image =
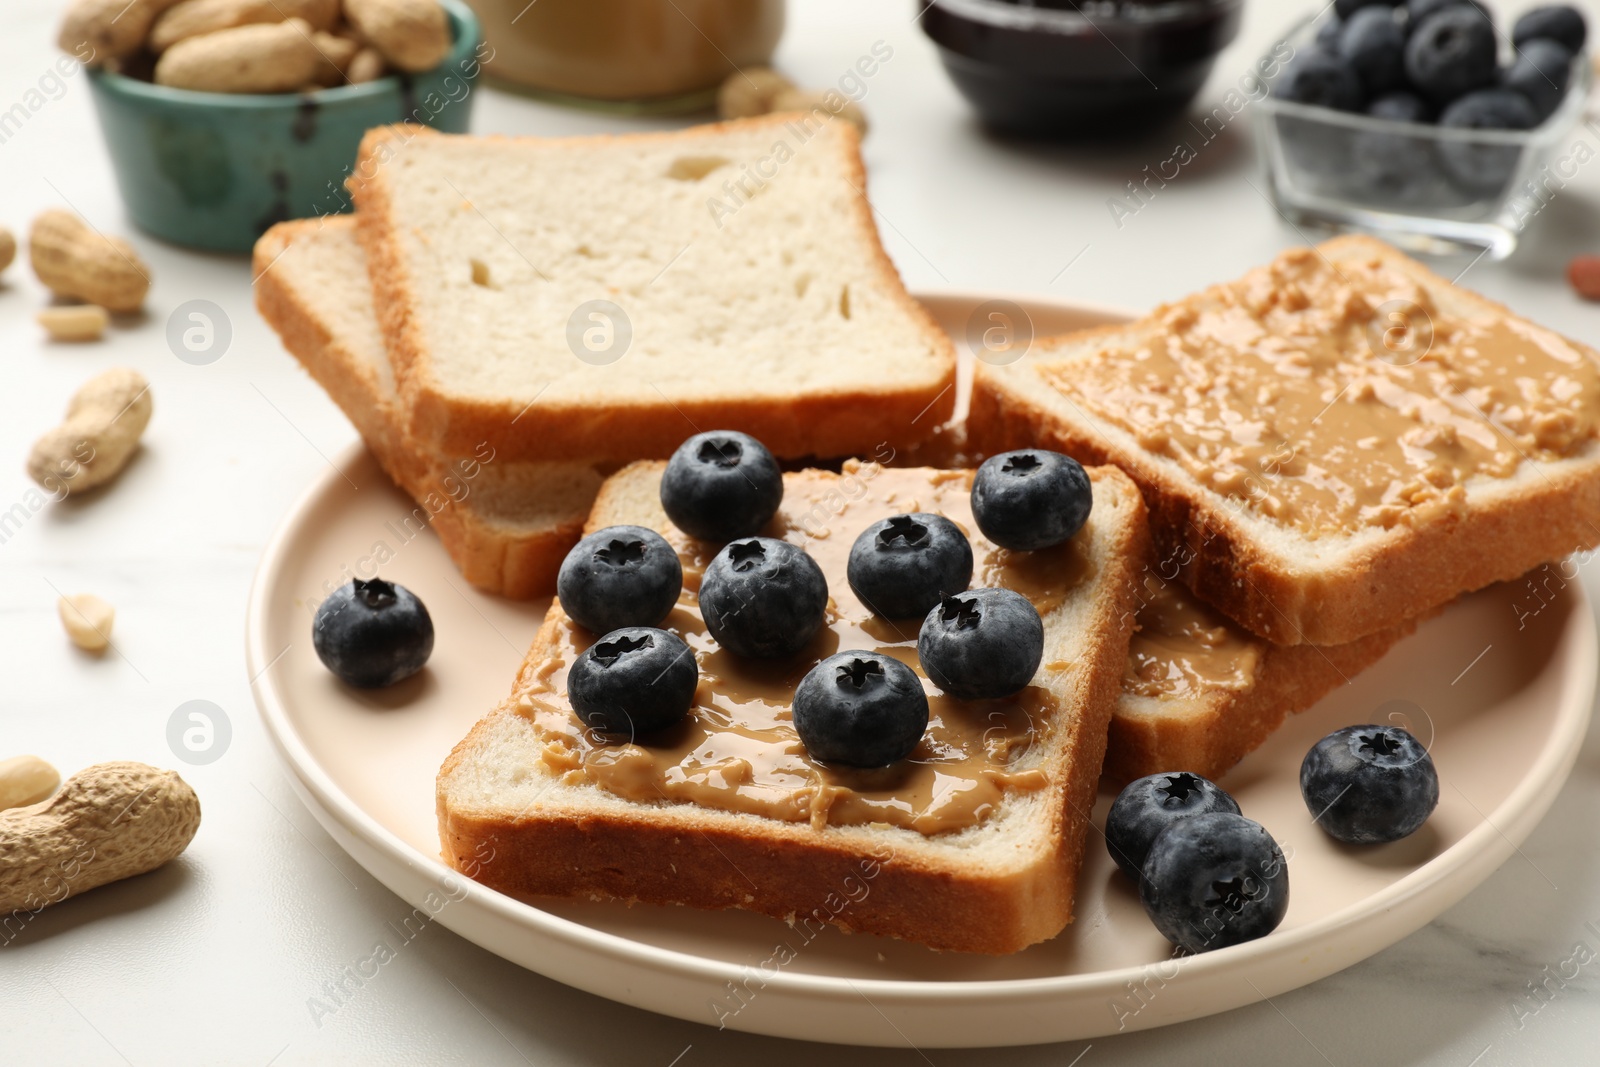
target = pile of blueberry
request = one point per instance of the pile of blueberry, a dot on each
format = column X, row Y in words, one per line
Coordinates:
column 765, row 599
column 1208, row 877
column 1430, row 62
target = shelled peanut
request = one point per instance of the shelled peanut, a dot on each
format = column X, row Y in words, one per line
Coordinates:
column 26, row 780
column 259, row 46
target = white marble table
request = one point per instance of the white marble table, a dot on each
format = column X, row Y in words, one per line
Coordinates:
column 214, row 958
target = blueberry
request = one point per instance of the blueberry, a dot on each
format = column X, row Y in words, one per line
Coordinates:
column 1557, row 22
column 1418, row 10
column 1031, row 499
column 1322, row 79
column 633, row 681
column 1374, row 45
column 981, row 644
column 1478, row 168
column 763, row 598
column 721, row 485
column 1401, row 106
column 619, row 576
column 1540, row 73
column 860, row 709
column 1451, row 52
column 1394, row 164
column 1149, row 805
column 1327, row 38
column 1369, row 784
column 1215, row 880
column 372, row 633
column 900, row 566
column 1345, row 8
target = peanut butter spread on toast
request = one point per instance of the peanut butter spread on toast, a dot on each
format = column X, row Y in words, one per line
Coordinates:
column 1334, row 399
column 737, row 749
column 1184, row 648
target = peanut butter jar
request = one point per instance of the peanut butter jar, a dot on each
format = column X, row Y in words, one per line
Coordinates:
column 654, row 56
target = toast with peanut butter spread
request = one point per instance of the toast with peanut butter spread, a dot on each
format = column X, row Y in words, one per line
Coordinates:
column 971, row 844
column 1333, row 444
column 506, row 524
column 1201, row 693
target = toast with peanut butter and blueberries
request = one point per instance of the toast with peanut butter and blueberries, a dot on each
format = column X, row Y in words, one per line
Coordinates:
column 770, row 756
column 598, row 298
column 506, row 524
column 1329, row 446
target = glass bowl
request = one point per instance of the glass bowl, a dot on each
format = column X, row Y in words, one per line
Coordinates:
column 1423, row 188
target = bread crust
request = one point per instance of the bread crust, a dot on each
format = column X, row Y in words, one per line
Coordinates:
column 685, row 854
column 520, row 565
column 1378, row 585
column 840, row 423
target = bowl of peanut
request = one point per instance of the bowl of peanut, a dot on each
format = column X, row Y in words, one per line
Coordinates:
column 223, row 117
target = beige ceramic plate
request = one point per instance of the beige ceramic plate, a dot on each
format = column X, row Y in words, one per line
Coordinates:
column 1500, row 686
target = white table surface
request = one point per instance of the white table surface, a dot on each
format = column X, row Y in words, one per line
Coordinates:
column 213, row 959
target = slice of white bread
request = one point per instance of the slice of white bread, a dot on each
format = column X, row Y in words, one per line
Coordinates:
column 506, row 524
column 1176, row 715
column 742, row 255
column 1267, row 574
column 993, row 887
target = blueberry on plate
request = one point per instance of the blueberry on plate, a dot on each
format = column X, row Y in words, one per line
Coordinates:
column 619, row 576
column 861, row 709
column 720, row 485
column 1369, row 784
column 1557, row 22
column 1401, row 106
column 1149, row 805
column 1031, row 499
column 900, row 566
column 1374, row 45
column 981, row 644
column 1322, row 79
column 1540, row 73
column 372, row 633
column 1215, row 880
column 1450, row 53
column 1484, row 169
column 633, row 681
column 762, row 598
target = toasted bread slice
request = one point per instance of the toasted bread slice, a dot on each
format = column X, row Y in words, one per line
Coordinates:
column 506, row 524
column 1311, row 528
column 1200, row 693
column 782, row 837
column 601, row 298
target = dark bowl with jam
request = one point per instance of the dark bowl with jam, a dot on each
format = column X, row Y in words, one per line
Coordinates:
column 1060, row 68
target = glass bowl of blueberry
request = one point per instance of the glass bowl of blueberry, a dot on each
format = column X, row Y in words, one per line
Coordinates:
column 1425, row 122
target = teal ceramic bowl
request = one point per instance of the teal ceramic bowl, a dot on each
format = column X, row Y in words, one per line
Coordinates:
column 214, row 170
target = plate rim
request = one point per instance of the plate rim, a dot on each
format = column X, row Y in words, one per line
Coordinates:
column 1514, row 816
